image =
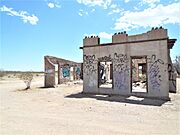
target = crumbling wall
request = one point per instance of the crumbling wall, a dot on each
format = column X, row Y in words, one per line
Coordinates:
column 172, row 75
column 49, row 80
column 152, row 44
column 65, row 73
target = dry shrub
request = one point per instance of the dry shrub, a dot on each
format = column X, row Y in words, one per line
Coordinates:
column 2, row 73
column 27, row 78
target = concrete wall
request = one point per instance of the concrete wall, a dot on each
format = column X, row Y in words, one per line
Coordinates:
column 49, row 79
column 67, row 70
column 178, row 84
column 172, row 75
column 120, row 54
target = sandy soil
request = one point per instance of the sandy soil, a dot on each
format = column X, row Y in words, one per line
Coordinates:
column 65, row 111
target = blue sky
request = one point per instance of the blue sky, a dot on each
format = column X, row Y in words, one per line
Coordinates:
column 31, row 29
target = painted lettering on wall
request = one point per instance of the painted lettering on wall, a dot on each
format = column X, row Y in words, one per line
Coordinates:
column 121, row 71
column 89, row 64
column 154, row 72
column 105, row 58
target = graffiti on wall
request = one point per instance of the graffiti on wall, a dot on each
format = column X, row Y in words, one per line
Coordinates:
column 154, row 72
column 89, row 64
column 121, row 71
column 120, row 61
column 105, row 58
column 66, row 71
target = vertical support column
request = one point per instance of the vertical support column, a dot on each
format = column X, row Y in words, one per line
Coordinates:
column 74, row 73
column 59, row 73
column 49, row 73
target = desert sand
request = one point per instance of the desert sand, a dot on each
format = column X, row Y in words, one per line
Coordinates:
column 64, row 110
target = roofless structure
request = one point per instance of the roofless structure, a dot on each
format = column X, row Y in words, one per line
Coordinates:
column 131, row 65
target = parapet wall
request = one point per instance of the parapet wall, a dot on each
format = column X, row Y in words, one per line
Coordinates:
column 93, row 40
column 121, row 37
column 157, row 33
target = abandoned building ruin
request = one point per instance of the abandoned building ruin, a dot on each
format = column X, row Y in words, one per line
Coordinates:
column 67, row 70
column 138, row 65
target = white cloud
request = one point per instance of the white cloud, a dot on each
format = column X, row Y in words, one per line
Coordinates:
column 93, row 10
column 136, row 8
column 58, row 6
column 151, row 3
column 103, row 35
column 24, row 15
column 53, row 5
column 126, row 1
column 114, row 9
column 113, row 6
column 117, row 10
column 82, row 12
column 91, row 3
column 150, row 17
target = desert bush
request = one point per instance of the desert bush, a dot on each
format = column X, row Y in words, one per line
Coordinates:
column 2, row 73
column 27, row 78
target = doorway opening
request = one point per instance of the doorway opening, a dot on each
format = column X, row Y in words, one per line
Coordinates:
column 105, row 74
column 139, row 74
column 56, row 74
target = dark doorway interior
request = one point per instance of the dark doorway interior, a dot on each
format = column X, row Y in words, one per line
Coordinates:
column 139, row 74
column 105, row 74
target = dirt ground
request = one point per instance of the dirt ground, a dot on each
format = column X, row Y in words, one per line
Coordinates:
column 64, row 110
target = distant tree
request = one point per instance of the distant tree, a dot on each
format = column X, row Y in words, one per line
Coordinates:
column 27, row 78
column 177, row 64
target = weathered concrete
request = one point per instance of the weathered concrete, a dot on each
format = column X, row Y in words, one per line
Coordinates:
column 154, row 45
column 49, row 73
column 178, row 84
column 172, row 74
column 64, row 73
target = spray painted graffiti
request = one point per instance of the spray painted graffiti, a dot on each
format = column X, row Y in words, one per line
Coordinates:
column 66, row 71
column 121, row 71
column 105, row 58
column 120, row 58
column 120, row 80
column 120, row 61
column 89, row 64
column 154, row 72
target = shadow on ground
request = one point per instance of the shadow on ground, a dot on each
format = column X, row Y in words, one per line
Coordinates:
column 121, row 99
